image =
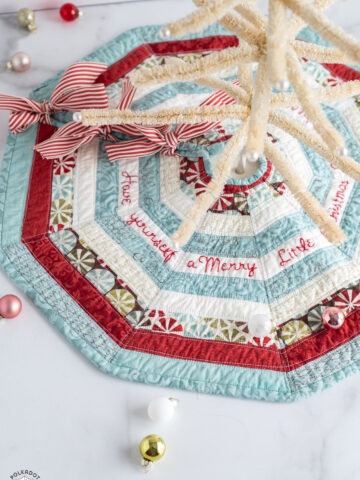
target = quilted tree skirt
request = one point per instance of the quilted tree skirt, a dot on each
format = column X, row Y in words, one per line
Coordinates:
column 89, row 242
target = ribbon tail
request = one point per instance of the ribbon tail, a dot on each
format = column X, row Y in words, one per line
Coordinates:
column 77, row 88
column 66, row 140
column 131, row 149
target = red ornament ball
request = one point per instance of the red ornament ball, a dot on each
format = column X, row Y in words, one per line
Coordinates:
column 69, row 12
column 10, row 306
column 333, row 317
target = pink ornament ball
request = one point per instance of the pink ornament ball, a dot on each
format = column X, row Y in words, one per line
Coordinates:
column 10, row 306
column 333, row 317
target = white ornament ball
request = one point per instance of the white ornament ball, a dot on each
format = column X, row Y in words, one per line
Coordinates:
column 260, row 325
column 162, row 409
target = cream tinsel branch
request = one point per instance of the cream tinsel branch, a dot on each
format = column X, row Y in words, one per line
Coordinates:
column 277, row 44
column 198, row 69
column 309, row 102
column 328, row 227
column 262, row 41
column 327, row 29
column 346, row 164
column 190, row 115
column 260, row 108
column 201, row 18
column 296, row 23
column 250, row 11
column 208, row 113
column 214, row 188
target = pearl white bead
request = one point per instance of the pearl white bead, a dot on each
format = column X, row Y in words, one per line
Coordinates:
column 282, row 85
column 162, row 409
column 249, row 156
column 19, row 62
column 77, row 117
column 165, row 32
column 260, row 325
column 342, row 152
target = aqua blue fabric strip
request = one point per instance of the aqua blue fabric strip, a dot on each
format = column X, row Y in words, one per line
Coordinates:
column 107, row 185
column 97, row 346
column 21, row 154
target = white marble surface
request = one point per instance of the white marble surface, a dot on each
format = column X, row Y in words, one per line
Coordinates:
column 64, row 419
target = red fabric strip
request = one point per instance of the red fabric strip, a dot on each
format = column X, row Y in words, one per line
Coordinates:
column 79, row 288
column 123, row 66
column 98, row 308
column 37, row 208
column 322, row 342
column 194, row 45
column 342, row 71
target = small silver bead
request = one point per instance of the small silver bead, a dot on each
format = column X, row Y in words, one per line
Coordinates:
column 342, row 152
column 165, row 32
column 282, row 85
column 77, row 117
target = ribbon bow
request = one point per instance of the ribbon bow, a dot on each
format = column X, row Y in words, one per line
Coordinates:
column 150, row 139
column 161, row 139
column 75, row 91
column 73, row 135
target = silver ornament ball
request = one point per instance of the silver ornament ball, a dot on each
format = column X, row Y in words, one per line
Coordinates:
column 19, row 62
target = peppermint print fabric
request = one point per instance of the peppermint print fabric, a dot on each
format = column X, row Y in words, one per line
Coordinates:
column 90, row 242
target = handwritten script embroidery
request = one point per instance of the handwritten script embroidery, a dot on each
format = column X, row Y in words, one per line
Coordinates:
column 217, row 265
column 166, row 251
column 125, row 187
column 338, row 201
column 288, row 254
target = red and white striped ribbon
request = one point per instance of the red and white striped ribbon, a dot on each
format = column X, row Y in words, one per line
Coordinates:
column 161, row 139
column 75, row 91
column 150, row 139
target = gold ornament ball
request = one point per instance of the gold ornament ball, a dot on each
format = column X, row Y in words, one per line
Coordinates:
column 152, row 448
column 26, row 18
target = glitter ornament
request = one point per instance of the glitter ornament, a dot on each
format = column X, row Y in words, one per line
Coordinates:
column 26, row 18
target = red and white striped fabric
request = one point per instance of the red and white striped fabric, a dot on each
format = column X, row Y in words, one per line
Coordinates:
column 70, row 137
column 150, row 139
column 75, row 91
column 160, row 139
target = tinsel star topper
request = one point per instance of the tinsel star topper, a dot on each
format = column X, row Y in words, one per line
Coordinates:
column 272, row 43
